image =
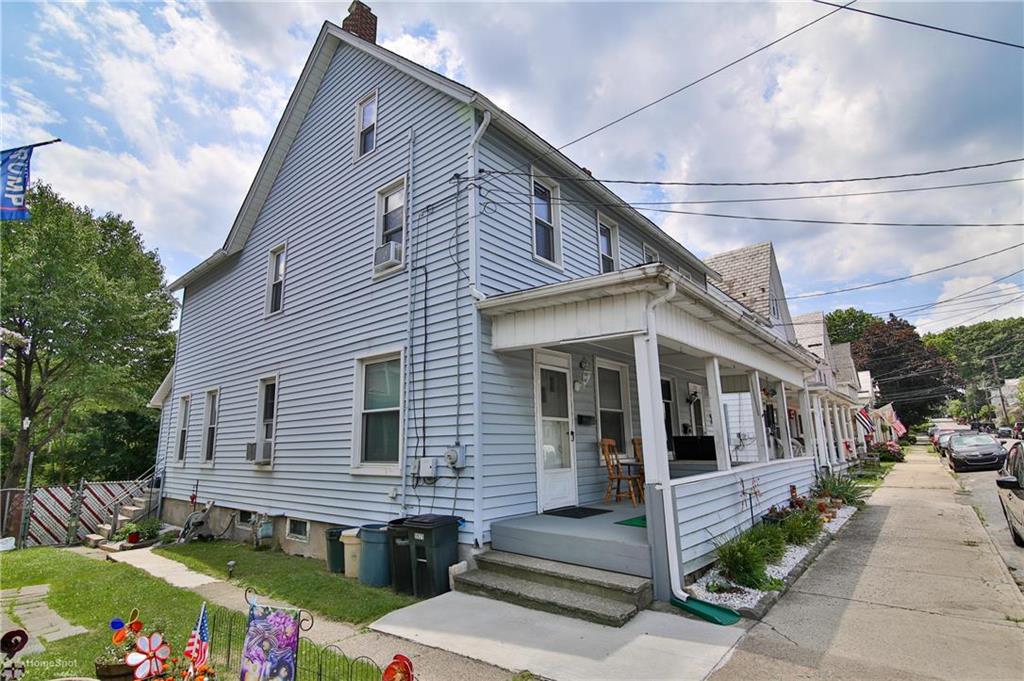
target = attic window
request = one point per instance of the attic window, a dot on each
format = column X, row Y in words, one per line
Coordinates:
column 366, row 125
column 773, row 306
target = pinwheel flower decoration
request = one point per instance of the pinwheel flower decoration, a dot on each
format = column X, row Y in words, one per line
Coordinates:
column 149, row 656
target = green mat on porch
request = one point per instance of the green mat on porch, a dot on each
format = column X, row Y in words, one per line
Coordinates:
column 639, row 521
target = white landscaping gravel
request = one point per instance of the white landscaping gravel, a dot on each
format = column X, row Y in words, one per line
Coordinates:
column 749, row 598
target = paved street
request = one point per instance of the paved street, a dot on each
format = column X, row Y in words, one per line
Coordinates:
column 911, row 589
column 981, row 494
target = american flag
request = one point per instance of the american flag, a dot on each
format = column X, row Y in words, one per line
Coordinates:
column 864, row 419
column 899, row 428
column 198, row 647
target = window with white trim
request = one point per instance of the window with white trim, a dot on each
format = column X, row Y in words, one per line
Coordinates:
column 607, row 244
column 651, row 255
column 183, row 408
column 546, row 228
column 275, row 280
column 378, row 437
column 611, row 399
column 366, row 125
column 210, row 416
column 390, row 227
column 267, row 427
column 298, row 529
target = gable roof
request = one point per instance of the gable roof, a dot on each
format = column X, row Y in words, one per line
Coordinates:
column 330, row 38
column 746, row 275
column 846, row 371
column 810, row 332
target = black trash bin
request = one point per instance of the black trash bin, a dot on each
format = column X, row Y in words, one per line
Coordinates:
column 335, row 549
column 434, row 544
column 401, row 556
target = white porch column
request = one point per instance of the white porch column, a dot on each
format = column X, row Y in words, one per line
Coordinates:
column 807, row 417
column 830, row 439
column 782, row 417
column 851, row 430
column 714, row 377
column 820, row 435
column 652, row 415
column 757, row 406
column 840, row 431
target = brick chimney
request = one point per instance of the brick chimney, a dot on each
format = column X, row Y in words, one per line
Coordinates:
column 361, row 22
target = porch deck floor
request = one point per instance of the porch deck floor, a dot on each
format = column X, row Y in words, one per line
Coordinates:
column 596, row 541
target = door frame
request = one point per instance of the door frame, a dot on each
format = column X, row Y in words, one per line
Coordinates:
column 554, row 361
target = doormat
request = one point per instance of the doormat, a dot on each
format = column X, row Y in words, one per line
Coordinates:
column 577, row 512
column 639, row 521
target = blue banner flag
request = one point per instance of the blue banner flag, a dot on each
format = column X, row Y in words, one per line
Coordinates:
column 14, row 175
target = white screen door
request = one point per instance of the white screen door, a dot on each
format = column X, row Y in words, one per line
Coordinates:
column 556, row 456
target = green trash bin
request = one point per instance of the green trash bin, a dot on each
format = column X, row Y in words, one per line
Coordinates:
column 335, row 549
column 434, row 544
column 401, row 556
column 374, row 563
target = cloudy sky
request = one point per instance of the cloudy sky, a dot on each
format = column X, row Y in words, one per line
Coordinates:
column 166, row 110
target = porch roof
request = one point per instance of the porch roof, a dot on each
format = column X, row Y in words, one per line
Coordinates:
column 614, row 304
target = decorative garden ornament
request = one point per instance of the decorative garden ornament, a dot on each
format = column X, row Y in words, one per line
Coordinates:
column 122, row 629
column 149, row 656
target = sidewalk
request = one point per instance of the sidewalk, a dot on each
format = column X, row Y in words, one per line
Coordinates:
column 431, row 664
column 911, row 589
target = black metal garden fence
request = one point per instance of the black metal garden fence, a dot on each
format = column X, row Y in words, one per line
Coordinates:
column 315, row 662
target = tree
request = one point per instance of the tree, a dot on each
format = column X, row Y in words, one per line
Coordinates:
column 971, row 347
column 848, row 325
column 915, row 378
column 90, row 302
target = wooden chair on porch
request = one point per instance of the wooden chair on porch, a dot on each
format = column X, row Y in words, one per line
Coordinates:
column 616, row 476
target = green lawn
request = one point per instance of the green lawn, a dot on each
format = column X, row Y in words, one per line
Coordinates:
column 303, row 582
column 91, row 593
column 875, row 478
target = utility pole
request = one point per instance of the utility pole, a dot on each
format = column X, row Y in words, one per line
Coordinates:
column 999, row 384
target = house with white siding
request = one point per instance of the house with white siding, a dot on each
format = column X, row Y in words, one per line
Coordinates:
column 423, row 307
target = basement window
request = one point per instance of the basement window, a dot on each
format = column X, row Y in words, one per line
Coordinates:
column 298, row 529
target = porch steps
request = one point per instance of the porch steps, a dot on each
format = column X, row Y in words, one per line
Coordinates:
column 599, row 596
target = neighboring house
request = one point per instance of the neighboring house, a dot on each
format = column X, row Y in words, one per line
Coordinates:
column 424, row 307
column 867, row 394
column 834, row 386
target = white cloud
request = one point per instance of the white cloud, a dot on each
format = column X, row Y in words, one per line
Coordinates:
column 247, row 120
column 439, row 53
column 972, row 300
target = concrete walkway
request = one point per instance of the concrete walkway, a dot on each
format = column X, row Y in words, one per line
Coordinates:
column 911, row 589
column 40, row 622
column 430, row 664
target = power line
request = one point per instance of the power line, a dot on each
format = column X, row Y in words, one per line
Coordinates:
column 694, row 82
column 921, row 25
column 773, row 183
column 983, row 312
column 759, row 218
column 904, row 278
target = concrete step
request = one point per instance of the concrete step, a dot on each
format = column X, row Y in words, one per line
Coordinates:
column 554, row 599
column 112, row 546
column 94, row 540
column 637, row 591
column 133, row 511
column 103, row 529
column 144, row 501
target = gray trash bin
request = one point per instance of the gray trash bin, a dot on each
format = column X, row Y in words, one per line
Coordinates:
column 375, row 561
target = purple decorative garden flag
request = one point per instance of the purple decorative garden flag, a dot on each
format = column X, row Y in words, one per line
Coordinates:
column 271, row 644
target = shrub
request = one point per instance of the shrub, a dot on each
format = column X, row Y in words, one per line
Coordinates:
column 840, row 486
column 148, row 528
column 771, row 538
column 801, row 527
column 742, row 560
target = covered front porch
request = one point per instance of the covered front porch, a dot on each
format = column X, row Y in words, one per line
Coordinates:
column 704, row 404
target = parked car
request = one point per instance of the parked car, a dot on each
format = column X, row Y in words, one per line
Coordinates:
column 942, row 441
column 1004, row 432
column 1011, row 495
column 972, row 450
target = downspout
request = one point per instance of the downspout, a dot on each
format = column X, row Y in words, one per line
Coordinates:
column 705, row 610
column 410, row 282
column 472, row 169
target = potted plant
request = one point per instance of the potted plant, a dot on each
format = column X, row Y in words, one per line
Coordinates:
column 110, row 666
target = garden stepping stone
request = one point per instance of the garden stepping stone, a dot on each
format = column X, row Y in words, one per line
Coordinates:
column 28, row 605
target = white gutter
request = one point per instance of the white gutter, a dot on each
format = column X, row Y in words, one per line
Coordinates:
column 472, row 167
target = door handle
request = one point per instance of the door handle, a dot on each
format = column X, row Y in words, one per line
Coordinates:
column 572, row 436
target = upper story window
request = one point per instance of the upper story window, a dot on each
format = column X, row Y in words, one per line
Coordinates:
column 377, row 435
column 773, row 306
column 546, row 229
column 210, row 425
column 390, row 227
column 366, row 125
column 183, row 407
column 607, row 244
column 275, row 280
column 651, row 255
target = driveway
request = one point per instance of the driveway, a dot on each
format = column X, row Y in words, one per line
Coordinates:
column 912, row 588
column 979, row 491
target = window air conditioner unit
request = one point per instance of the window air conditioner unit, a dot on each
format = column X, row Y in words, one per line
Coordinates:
column 259, row 452
column 387, row 255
